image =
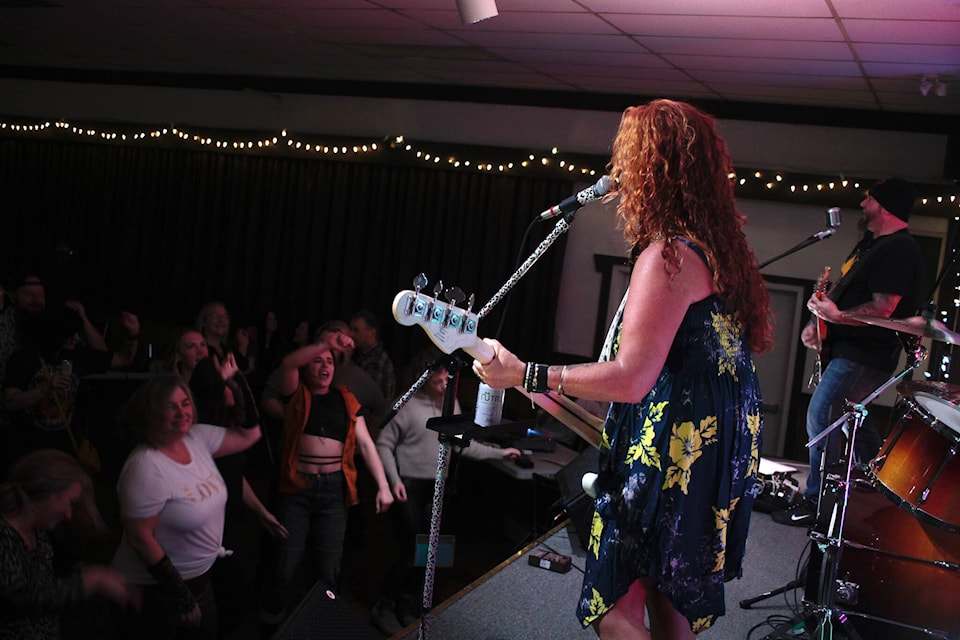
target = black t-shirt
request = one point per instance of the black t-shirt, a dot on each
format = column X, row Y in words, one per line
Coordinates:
column 892, row 264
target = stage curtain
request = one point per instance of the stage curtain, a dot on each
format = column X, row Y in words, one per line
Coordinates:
column 161, row 231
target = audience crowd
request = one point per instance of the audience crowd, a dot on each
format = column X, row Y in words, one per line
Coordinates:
column 225, row 421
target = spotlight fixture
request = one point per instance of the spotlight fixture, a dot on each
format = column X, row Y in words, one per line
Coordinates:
column 934, row 82
column 472, row 11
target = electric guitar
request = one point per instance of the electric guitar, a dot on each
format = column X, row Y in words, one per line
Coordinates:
column 820, row 290
column 452, row 327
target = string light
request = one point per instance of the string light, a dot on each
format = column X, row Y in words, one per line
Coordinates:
column 751, row 181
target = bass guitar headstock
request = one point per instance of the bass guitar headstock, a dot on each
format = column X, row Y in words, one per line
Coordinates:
column 448, row 322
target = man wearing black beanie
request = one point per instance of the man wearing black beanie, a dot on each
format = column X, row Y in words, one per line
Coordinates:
column 882, row 277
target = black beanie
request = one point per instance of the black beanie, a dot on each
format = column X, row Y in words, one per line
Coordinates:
column 896, row 195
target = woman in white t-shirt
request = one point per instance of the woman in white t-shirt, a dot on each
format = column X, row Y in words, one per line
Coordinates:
column 172, row 505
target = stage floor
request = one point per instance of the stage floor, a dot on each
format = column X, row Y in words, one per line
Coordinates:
column 517, row 600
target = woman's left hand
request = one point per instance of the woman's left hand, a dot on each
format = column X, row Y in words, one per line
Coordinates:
column 228, row 368
column 273, row 526
column 504, row 371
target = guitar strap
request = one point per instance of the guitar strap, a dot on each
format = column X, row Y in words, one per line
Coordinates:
column 860, row 260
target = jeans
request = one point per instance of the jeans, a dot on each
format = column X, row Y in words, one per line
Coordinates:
column 318, row 516
column 842, row 380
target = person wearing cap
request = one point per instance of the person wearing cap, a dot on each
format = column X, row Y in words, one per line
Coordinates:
column 883, row 276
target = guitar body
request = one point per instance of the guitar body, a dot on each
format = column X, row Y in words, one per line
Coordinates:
column 823, row 354
column 452, row 328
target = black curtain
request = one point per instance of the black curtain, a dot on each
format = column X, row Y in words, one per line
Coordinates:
column 161, row 231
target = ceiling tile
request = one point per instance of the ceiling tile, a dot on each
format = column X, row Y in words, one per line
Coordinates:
column 904, row 32
column 773, row 8
column 720, row 27
column 772, row 49
column 898, row 10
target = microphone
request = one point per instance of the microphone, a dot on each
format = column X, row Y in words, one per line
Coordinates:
column 571, row 204
column 833, row 217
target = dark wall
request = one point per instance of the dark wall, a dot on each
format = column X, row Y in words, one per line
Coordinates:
column 161, row 231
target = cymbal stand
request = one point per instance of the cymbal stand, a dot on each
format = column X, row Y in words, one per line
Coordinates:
column 916, row 358
column 823, row 613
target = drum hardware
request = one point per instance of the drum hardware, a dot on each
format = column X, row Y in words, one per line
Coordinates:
column 908, row 388
column 823, row 613
column 916, row 325
column 917, row 467
column 848, row 592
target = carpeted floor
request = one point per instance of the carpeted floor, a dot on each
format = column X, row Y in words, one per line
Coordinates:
column 517, row 600
column 898, row 577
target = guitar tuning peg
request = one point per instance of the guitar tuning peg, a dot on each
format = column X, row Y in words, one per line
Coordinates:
column 419, row 283
column 454, row 295
column 438, row 289
column 453, row 318
column 470, row 302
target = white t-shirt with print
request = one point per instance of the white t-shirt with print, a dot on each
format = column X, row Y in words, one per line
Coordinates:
column 190, row 499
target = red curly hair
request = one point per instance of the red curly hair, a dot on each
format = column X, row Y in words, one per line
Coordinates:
column 673, row 175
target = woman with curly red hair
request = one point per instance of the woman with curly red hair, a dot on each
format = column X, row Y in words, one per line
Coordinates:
column 681, row 443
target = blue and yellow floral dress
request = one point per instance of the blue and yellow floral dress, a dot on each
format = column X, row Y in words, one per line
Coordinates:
column 677, row 474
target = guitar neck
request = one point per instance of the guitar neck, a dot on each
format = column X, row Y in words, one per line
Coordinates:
column 451, row 328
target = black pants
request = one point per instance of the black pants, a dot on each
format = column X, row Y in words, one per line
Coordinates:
column 158, row 619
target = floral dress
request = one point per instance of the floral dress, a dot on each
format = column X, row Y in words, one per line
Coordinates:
column 677, row 474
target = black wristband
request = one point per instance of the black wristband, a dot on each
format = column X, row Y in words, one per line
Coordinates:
column 535, row 378
column 171, row 582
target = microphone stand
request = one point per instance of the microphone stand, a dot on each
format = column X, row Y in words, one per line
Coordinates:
column 815, row 238
column 562, row 226
column 446, row 425
column 443, row 460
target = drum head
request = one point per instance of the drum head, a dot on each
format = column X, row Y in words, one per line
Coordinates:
column 945, row 411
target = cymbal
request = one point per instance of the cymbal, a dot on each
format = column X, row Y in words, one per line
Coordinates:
column 915, row 325
column 934, row 388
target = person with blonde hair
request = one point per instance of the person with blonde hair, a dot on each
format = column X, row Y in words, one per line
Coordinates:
column 43, row 490
column 681, row 442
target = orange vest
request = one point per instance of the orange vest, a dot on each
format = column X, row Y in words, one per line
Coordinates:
column 295, row 421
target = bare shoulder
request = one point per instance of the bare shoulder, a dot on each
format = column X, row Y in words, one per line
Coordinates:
column 677, row 267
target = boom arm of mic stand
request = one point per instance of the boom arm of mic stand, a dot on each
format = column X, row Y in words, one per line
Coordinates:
column 559, row 229
column 817, row 237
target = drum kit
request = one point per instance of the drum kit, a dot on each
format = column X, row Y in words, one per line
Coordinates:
column 885, row 563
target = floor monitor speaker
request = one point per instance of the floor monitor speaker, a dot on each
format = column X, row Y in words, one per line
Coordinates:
column 321, row 614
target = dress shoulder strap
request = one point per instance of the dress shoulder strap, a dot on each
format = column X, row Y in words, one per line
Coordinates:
column 696, row 248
